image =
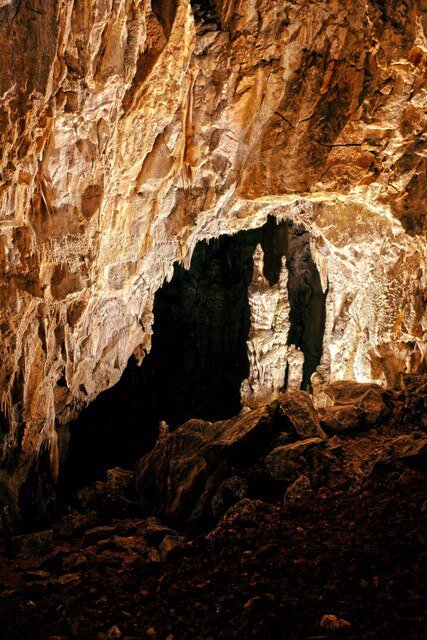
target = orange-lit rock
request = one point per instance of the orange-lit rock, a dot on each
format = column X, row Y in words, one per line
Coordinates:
column 128, row 133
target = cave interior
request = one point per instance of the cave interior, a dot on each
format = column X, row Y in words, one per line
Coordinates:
column 198, row 357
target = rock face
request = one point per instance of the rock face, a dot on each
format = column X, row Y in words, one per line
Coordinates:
column 196, row 473
column 183, row 474
column 298, row 411
column 130, row 131
column 288, row 462
column 355, row 406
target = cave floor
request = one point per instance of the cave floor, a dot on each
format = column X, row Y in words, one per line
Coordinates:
column 268, row 571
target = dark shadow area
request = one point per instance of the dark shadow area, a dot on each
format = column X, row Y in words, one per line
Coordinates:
column 307, row 300
column 165, row 12
column 37, row 496
column 206, row 12
column 114, row 430
column 198, row 357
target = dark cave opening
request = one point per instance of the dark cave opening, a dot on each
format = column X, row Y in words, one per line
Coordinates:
column 198, row 357
column 205, row 11
column 307, row 301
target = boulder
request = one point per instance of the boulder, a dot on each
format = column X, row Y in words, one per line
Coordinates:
column 179, row 477
column 333, row 623
column 120, row 481
column 231, row 491
column 341, row 420
column 357, row 406
column 286, row 463
column 350, row 392
column 33, row 544
column 169, row 544
column 90, row 497
column 116, row 496
column 415, row 384
column 155, row 531
column 244, row 513
column 300, row 491
column 297, row 411
column 415, row 396
column 407, row 450
column 119, row 496
column 74, row 562
column 74, row 523
column 99, row 533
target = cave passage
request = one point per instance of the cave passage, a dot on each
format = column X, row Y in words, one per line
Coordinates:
column 198, row 357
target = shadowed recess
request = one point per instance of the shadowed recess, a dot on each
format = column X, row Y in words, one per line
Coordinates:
column 206, row 11
column 198, row 358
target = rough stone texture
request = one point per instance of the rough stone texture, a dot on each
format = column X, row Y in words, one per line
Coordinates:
column 332, row 623
column 268, row 337
column 415, row 390
column 299, row 491
column 261, row 556
column 300, row 416
column 344, row 541
column 128, row 133
column 195, row 473
column 231, row 491
column 355, row 406
column 33, row 543
column 181, row 476
column 288, row 462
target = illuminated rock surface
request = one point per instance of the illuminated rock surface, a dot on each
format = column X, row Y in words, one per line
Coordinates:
column 129, row 133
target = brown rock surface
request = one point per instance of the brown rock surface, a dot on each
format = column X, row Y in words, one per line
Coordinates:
column 342, row 551
column 288, row 462
column 128, row 133
column 297, row 409
column 268, row 570
column 299, row 492
column 179, row 478
column 356, row 406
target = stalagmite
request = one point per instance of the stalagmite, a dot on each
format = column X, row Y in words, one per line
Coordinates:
column 268, row 337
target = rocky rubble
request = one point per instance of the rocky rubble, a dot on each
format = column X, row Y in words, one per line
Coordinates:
column 188, row 474
column 186, row 477
column 179, row 478
column 291, row 537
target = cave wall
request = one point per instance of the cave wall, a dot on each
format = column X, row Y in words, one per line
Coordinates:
column 130, row 131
